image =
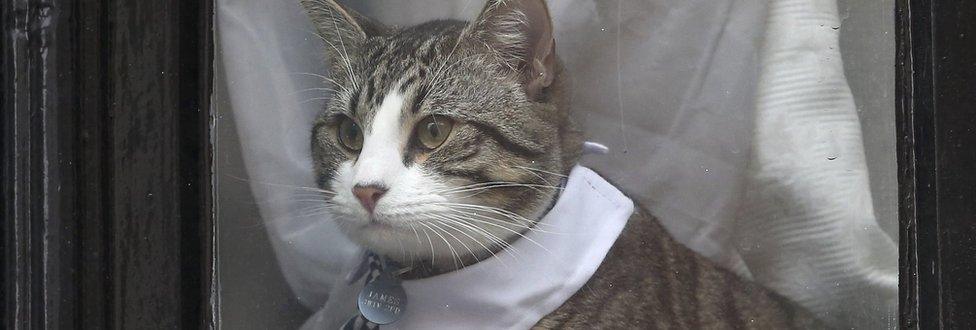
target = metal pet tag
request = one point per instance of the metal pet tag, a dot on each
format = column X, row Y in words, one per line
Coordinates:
column 383, row 301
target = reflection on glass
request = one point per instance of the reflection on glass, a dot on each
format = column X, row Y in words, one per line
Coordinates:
column 571, row 164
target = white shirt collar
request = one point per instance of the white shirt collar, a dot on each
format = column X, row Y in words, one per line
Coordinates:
column 513, row 291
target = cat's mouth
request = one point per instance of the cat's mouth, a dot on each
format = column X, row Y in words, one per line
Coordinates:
column 377, row 224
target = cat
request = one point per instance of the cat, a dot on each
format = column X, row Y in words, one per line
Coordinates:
column 464, row 127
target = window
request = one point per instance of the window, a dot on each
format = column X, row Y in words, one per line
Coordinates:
column 155, row 154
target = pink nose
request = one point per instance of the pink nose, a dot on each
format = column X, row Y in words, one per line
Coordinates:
column 368, row 195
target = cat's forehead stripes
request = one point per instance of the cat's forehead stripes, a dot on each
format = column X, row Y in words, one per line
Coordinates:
column 403, row 61
column 409, row 88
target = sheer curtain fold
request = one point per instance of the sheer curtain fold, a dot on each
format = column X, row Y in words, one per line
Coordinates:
column 731, row 120
column 807, row 226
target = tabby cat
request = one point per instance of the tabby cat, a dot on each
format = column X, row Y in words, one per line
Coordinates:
column 450, row 115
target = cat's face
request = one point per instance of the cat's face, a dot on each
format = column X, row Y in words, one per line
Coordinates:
column 442, row 141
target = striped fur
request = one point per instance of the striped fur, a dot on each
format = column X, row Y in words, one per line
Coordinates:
column 650, row 281
column 511, row 146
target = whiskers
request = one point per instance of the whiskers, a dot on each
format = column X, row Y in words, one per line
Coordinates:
column 303, row 201
column 285, row 186
column 448, row 224
column 475, row 189
column 328, row 92
column 471, row 232
column 466, row 232
column 454, row 232
column 539, row 173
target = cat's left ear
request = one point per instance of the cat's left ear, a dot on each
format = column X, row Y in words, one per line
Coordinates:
column 520, row 33
column 343, row 29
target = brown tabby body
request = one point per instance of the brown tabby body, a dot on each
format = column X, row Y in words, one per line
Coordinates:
column 650, row 281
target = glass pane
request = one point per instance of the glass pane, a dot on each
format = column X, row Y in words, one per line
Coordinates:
column 445, row 164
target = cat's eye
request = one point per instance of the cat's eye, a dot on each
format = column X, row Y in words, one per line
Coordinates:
column 350, row 135
column 433, row 131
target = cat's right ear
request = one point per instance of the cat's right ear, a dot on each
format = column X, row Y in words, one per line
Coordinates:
column 342, row 29
column 520, row 34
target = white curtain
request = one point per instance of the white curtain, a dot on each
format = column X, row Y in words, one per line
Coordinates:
column 730, row 120
column 807, row 226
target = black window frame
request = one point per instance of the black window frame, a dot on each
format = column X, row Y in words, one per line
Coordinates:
column 107, row 163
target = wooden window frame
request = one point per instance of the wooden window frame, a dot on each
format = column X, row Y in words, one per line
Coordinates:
column 936, row 117
column 107, row 163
